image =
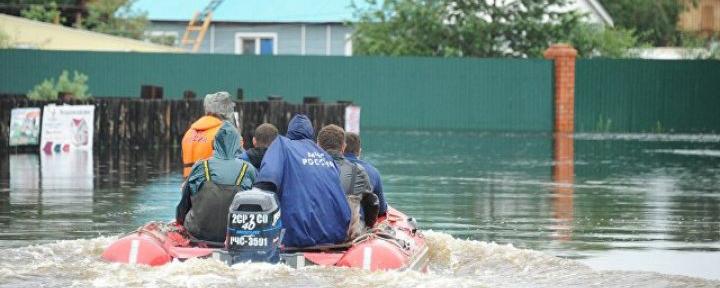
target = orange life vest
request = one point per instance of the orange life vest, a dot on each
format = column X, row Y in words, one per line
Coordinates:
column 197, row 144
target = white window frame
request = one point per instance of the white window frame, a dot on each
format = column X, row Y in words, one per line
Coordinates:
column 348, row 44
column 239, row 36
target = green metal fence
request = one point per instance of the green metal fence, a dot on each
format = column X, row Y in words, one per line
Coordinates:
column 647, row 96
column 403, row 93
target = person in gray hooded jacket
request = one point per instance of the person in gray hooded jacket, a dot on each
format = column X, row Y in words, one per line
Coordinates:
column 211, row 186
column 364, row 205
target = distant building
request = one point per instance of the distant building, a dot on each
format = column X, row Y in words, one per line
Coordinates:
column 670, row 53
column 280, row 27
column 29, row 34
column 595, row 11
column 272, row 27
column 703, row 18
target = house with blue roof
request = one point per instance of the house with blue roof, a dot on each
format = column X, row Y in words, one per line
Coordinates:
column 259, row 27
column 279, row 27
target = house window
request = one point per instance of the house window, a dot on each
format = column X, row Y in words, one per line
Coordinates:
column 256, row 43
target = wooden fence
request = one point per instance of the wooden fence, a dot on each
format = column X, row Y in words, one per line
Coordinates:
column 132, row 122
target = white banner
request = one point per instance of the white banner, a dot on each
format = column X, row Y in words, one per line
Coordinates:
column 24, row 126
column 67, row 128
column 352, row 119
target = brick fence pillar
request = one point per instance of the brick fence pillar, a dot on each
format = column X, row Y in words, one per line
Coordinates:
column 564, row 57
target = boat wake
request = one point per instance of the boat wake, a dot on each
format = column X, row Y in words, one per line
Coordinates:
column 453, row 263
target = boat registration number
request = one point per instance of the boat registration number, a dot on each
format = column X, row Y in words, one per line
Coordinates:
column 248, row 241
column 249, row 221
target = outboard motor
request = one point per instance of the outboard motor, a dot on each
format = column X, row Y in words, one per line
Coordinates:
column 254, row 229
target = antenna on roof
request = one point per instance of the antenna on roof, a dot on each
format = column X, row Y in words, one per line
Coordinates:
column 199, row 23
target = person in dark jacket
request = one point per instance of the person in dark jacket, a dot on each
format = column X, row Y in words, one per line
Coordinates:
column 211, row 186
column 264, row 136
column 303, row 176
column 353, row 149
column 354, row 179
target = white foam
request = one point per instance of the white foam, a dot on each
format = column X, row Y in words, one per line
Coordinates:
column 453, row 263
column 687, row 152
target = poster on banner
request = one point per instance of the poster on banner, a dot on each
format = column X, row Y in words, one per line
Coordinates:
column 66, row 128
column 352, row 119
column 24, row 126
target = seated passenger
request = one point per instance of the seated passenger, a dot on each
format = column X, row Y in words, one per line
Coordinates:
column 353, row 178
column 312, row 202
column 353, row 148
column 197, row 143
column 264, row 135
column 211, row 186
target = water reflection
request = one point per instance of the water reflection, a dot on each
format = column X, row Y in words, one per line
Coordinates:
column 66, row 180
column 24, row 177
column 78, row 194
column 52, row 181
column 563, row 176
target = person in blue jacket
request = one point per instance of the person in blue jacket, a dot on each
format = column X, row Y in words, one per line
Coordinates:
column 313, row 207
column 352, row 153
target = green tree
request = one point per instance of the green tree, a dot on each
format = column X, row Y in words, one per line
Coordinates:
column 167, row 40
column 593, row 40
column 116, row 17
column 49, row 88
column 48, row 12
column 654, row 21
column 523, row 28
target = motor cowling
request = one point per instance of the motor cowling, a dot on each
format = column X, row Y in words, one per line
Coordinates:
column 254, row 229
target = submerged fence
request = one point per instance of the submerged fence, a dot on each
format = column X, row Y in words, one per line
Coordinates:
column 411, row 92
column 122, row 122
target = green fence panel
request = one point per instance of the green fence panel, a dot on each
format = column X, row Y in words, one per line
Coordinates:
column 402, row 93
column 647, row 96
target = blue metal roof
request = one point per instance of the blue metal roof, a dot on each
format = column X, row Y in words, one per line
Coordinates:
column 313, row 11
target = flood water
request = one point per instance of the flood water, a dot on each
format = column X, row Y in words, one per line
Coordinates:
column 500, row 209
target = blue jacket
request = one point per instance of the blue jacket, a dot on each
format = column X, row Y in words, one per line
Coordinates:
column 312, row 201
column 375, row 180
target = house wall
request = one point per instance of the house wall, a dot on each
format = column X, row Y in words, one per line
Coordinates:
column 221, row 37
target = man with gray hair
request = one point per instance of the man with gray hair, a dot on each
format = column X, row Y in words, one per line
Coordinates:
column 219, row 105
column 197, row 144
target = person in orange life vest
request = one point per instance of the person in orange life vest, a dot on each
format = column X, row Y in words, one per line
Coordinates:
column 198, row 141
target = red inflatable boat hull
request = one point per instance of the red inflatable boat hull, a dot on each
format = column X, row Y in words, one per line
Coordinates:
column 394, row 245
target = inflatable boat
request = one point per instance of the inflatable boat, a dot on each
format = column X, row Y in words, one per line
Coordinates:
column 254, row 234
